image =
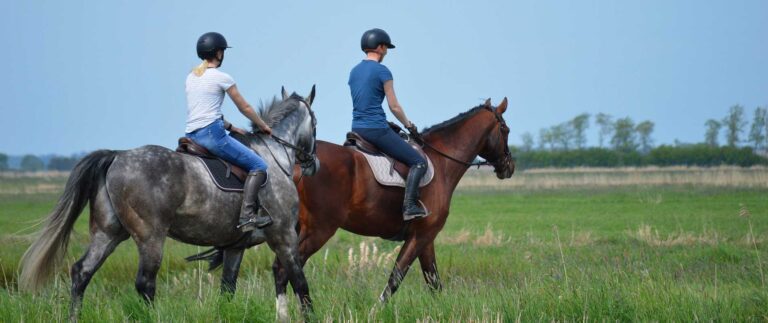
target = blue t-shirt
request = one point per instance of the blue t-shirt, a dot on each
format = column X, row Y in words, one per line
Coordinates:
column 366, row 84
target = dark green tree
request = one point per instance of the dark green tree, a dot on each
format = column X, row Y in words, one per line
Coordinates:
column 579, row 125
column 527, row 138
column 3, row 162
column 605, row 122
column 624, row 136
column 561, row 136
column 713, row 130
column 644, row 130
column 734, row 125
column 545, row 139
column 757, row 135
column 32, row 163
column 62, row 163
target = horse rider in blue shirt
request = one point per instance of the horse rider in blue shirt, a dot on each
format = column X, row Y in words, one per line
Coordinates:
column 369, row 82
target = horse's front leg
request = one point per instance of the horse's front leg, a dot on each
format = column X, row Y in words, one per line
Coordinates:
column 429, row 267
column 284, row 242
column 413, row 247
column 232, row 260
column 281, row 285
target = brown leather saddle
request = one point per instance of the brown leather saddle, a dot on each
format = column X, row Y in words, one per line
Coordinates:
column 355, row 141
column 188, row 146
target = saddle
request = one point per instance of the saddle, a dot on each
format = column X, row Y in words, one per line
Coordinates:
column 188, row 146
column 378, row 160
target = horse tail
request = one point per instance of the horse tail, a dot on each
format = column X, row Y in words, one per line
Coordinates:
column 41, row 259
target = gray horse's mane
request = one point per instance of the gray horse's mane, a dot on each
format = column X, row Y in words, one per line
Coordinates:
column 276, row 110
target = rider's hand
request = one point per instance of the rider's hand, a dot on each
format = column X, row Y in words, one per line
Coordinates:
column 415, row 133
column 412, row 129
column 265, row 129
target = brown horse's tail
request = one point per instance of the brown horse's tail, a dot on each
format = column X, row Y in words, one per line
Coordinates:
column 41, row 259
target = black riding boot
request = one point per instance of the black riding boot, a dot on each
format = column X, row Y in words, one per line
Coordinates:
column 249, row 213
column 411, row 206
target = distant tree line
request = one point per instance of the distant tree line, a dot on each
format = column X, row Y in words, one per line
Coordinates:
column 664, row 155
column 622, row 142
column 32, row 163
column 734, row 125
column 3, row 162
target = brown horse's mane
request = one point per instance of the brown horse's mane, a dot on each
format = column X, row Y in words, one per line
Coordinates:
column 450, row 122
column 276, row 110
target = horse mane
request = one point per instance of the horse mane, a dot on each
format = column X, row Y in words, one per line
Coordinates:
column 276, row 110
column 450, row 122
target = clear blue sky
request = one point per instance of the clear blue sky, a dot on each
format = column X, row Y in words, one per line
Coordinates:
column 83, row 75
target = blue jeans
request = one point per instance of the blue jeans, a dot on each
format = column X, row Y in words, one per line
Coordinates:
column 214, row 138
column 391, row 144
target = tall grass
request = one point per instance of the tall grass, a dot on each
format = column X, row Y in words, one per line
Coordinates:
column 615, row 253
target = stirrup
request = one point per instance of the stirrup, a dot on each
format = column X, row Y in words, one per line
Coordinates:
column 410, row 217
column 251, row 223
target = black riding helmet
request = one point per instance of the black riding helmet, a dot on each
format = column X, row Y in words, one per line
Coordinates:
column 209, row 43
column 375, row 37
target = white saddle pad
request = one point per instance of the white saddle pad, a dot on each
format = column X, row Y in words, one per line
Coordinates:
column 386, row 175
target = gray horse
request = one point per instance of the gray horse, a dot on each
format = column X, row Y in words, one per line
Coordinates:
column 151, row 193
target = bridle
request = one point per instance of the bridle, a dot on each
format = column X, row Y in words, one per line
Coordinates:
column 498, row 164
column 304, row 158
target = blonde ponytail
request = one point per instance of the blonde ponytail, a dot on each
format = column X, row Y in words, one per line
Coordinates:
column 200, row 69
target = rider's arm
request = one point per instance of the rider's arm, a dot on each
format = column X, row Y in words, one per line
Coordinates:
column 394, row 106
column 246, row 109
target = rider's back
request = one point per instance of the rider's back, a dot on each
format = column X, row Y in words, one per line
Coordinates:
column 205, row 94
column 366, row 84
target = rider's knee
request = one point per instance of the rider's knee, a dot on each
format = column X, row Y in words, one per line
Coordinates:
column 420, row 164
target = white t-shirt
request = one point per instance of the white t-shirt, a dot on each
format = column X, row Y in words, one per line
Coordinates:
column 205, row 94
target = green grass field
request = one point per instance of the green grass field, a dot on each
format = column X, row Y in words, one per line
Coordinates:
column 575, row 253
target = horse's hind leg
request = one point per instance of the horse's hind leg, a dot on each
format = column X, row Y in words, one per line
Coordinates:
column 429, row 267
column 232, row 260
column 148, row 231
column 150, row 257
column 106, row 234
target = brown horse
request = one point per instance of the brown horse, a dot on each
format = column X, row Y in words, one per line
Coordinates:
column 344, row 194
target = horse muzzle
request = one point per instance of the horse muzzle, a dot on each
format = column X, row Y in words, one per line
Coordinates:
column 506, row 171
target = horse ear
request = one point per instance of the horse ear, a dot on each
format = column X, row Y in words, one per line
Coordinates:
column 487, row 103
column 285, row 94
column 502, row 106
column 311, row 96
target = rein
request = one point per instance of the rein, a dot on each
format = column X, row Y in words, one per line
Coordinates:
column 478, row 164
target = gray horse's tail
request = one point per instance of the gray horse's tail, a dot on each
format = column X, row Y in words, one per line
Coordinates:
column 41, row 259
